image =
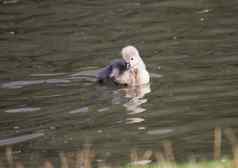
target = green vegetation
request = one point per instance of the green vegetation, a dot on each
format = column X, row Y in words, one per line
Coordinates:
column 203, row 164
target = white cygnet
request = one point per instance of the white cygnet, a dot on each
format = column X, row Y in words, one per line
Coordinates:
column 137, row 73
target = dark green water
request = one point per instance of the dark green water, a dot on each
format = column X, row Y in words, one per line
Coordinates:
column 49, row 54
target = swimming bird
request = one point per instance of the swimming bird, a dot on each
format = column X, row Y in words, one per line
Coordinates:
column 137, row 73
column 130, row 70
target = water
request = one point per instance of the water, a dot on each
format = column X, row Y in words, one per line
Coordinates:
column 51, row 105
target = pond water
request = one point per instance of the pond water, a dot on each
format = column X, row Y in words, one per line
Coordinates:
column 51, row 105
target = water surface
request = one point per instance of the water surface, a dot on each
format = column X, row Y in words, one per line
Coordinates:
column 51, row 104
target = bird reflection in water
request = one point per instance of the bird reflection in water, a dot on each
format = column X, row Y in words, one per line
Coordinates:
column 137, row 98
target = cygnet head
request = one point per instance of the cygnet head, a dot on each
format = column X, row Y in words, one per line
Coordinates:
column 131, row 55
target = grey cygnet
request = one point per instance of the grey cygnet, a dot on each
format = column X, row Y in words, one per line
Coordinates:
column 112, row 71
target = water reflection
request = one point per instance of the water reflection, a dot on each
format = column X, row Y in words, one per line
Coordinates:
column 141, row 158
column 84, row 158
column 21, row 84
column 78, row 159
column 136, row 91
column 19, row 164
column 136, row 97
column 23, row 110
column 85, row 75
column 9, row 156
column 21, row 138
column 80, row 110
column 48, row 164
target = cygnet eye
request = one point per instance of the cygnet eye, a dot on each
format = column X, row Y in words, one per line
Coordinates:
column 132, row 58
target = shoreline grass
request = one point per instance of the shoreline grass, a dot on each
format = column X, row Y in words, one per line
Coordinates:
column 224, row 163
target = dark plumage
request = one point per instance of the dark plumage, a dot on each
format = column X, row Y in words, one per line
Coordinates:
column 112, row 71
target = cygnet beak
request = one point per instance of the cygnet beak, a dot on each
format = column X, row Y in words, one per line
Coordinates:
column 128, row 65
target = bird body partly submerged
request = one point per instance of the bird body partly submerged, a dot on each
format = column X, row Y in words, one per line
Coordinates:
column 130, row 70
column 112, row 71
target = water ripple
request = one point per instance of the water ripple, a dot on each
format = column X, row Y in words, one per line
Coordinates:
column 21, row 84
column 134, row 120
column 80, row 110
column 18, row 139
column 23, row 110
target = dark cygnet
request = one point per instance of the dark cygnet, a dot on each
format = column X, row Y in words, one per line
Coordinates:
column 112, row 71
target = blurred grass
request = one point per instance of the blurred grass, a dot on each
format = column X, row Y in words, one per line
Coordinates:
column 202, row 164
column 166, row 159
